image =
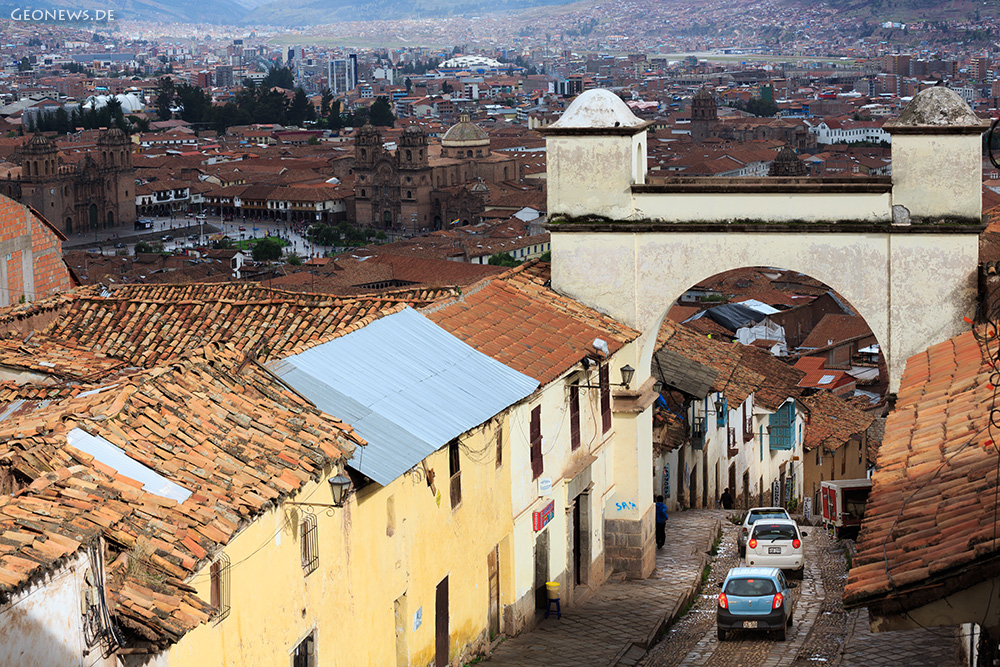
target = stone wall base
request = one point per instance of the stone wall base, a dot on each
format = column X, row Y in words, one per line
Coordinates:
column 630, row 546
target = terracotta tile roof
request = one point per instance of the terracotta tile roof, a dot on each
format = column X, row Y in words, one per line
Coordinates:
column 833, row 329
column 520, row 322
column 742, row 369
column 216, row 423
column 816, row 372
column 832, row 421
column 146, row 325
column 42, row 354
column 931, row 520
column 679, row 312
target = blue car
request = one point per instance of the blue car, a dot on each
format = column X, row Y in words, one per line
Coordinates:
column 755, row 598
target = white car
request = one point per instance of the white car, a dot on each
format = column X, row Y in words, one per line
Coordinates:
column 776, row 543
column 753, row 515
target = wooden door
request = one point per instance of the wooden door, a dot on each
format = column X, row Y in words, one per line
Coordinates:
column 493, row 567
column 441, row 625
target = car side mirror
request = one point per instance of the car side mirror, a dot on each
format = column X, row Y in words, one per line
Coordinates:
column 805, row 534
column 720, row 584
column 792, row 584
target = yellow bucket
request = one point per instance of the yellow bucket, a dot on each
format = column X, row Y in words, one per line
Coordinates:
column 552, row 588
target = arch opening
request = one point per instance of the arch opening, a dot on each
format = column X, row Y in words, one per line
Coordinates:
column 771, row 382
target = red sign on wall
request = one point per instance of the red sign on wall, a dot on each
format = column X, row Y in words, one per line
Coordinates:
column 541, row 519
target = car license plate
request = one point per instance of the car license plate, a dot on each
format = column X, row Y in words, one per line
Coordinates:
column 750, row 624
column 774, row 550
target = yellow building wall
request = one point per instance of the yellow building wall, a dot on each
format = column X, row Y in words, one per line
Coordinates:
column 386, row 543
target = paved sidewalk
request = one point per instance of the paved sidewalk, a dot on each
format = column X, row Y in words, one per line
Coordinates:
column 932, row 647
column 620, row 621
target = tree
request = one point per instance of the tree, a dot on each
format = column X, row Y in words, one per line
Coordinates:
column 326, row 101
column 294, row 260
column 267, row 250
column 503, row 259
column 409, row 85
column 24, row 65
column 141, row 247
column 164, row 97
column 380, row 113
column 225, row 243
column 447, row 87
column 195, row 103
column 300, row 109
column 279, row 77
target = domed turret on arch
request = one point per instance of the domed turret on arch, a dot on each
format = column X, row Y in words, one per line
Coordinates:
column 597, row 109
column 465, row 140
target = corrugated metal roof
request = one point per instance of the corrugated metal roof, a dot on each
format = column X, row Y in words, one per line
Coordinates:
column 677, row 371
column 406, row 385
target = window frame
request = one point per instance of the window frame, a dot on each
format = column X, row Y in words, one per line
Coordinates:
column 220, row 575
column 309, row 547
column 455, row 473
column 535, row 439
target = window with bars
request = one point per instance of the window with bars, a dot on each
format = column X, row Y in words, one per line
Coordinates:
column 220, row 576
column 455, row 471
column 535, row 435
column 574, row 416
column 605, row 383
column 309, row 533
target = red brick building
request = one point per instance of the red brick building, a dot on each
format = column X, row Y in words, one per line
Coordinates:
column 31, row 264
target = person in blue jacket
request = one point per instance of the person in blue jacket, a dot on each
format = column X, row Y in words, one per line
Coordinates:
column 661, row 522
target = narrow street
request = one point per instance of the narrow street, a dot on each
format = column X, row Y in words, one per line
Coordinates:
column 822, row 632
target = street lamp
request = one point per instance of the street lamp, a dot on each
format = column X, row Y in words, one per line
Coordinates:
column 339, row 485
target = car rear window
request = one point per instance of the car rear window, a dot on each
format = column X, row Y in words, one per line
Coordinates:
column 757, row 516
column 750, row 587
column 773, row 531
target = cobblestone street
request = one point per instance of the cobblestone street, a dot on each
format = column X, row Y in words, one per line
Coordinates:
column 823, row 632
column 618, row 622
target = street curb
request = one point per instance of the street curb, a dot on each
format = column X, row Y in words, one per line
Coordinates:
column 668, row 618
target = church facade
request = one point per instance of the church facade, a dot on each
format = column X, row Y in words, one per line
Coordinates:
column 419, row 186
column 97, row 192
column 705, row 124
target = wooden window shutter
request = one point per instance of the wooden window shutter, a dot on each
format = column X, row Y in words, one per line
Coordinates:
column 574, row 416
column 605, row 383
column 535, row 432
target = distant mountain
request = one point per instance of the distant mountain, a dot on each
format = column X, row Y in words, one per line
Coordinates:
column 910, row 10
column 313, row 12
column 184, row 11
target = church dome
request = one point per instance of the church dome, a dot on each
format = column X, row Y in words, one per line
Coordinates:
column 465, row 133
column 39, row 143
column 597, row 108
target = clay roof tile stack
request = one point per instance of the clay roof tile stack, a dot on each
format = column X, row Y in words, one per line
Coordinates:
column 932, row 516
column 217, row 423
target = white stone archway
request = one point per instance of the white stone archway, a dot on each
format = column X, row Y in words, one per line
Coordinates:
column 912, row 286
column 902, row 250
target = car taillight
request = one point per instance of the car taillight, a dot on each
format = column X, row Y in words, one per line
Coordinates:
column 723, row 602
column 778, row 599
column 752, row 543
column 796, row 544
